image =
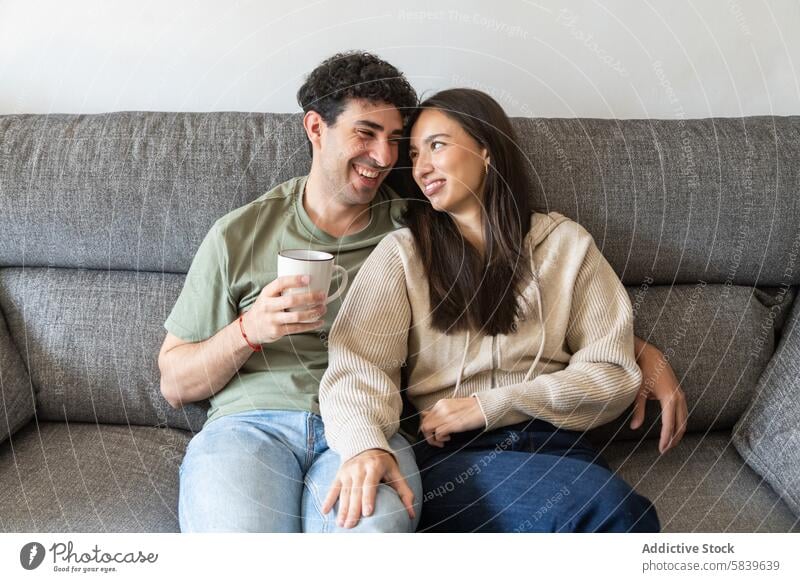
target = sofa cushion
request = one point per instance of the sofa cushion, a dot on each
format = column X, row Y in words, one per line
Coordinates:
column 718, row 341
column 92, row 340
column 702, row 485
column 768, row 433
column 75, row 477
column 16, row 393
column 677, row 201
column 134, row 190
column 673, row 200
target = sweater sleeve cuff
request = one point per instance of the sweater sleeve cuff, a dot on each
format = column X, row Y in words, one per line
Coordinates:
column 355, row 442
column 494, row 404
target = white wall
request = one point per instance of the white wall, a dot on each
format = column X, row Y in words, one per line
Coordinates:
column 634, row 58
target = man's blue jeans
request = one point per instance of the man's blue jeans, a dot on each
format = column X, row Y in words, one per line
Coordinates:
column 528, row 477
column 270, row 471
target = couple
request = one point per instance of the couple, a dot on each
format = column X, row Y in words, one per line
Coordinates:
column 512, row 331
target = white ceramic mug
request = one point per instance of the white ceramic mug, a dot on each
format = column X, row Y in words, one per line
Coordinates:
column 318, row 265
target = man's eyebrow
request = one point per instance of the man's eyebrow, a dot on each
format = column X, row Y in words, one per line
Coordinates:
column 377, row 126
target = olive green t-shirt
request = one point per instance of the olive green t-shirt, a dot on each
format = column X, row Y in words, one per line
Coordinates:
column 236, row 260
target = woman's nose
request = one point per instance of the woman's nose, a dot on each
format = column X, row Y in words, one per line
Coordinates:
column 422, row 166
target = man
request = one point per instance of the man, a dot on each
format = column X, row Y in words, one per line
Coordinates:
column 261, row 462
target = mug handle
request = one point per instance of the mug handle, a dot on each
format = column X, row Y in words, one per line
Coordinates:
column 342, row 284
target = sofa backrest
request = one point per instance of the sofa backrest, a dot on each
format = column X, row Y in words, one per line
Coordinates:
column 102, row 215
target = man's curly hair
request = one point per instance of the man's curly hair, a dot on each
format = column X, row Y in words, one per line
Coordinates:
column 354, row 75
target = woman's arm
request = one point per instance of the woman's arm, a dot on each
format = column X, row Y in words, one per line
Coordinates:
column 360, row 392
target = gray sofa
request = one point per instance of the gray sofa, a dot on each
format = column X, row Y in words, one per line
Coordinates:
column 101, row 216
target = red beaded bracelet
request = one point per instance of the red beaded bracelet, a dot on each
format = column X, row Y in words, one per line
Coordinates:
column 244, row 335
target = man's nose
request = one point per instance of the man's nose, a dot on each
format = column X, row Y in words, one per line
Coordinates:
column 382, row 154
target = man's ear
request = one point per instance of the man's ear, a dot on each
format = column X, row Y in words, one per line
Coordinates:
column 313, row 124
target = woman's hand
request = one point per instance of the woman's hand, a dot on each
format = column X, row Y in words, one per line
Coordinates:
column 356, row 486
column 450, row 415
column 660, row 383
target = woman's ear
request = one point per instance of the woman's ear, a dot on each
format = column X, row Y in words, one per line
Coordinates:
column 487, row 161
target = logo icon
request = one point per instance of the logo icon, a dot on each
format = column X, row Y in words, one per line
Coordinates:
column 31, row 555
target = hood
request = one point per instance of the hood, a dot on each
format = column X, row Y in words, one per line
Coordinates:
column 542, row 225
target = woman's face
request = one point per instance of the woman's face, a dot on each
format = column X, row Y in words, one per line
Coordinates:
column 448, row 165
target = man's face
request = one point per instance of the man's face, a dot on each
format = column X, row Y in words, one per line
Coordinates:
column 359, row 150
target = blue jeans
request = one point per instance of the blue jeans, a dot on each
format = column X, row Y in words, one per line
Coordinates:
column 270, row 471
column 528, row 477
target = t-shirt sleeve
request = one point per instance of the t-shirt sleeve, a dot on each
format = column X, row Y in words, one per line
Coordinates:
column 204, row 305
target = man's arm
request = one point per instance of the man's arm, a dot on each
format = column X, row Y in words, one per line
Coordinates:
column 660, row 383
column 196, row 371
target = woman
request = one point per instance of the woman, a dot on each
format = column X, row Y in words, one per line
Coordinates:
column 515, row 336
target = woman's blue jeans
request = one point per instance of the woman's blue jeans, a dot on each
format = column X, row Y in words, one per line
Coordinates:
column 270, row 471
column 528, row 477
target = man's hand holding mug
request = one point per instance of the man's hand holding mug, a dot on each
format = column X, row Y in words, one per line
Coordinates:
column 296, row 301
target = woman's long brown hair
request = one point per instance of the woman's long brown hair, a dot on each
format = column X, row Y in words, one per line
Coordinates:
column 470, row 290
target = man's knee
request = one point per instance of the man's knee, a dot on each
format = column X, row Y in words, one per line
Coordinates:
column 238, row 479
column 407, row 463
column 390, row 514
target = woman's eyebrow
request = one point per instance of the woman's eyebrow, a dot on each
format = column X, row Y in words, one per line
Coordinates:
column 430, row 138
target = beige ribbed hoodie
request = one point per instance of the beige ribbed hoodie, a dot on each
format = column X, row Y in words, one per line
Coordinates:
column 576, row 371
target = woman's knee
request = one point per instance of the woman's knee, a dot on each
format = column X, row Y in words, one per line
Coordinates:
column 606, row 503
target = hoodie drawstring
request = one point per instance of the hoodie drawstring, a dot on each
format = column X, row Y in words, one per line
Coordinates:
column 541, row 322
column 538, row 357
column 538, row 290
column 461, row 367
